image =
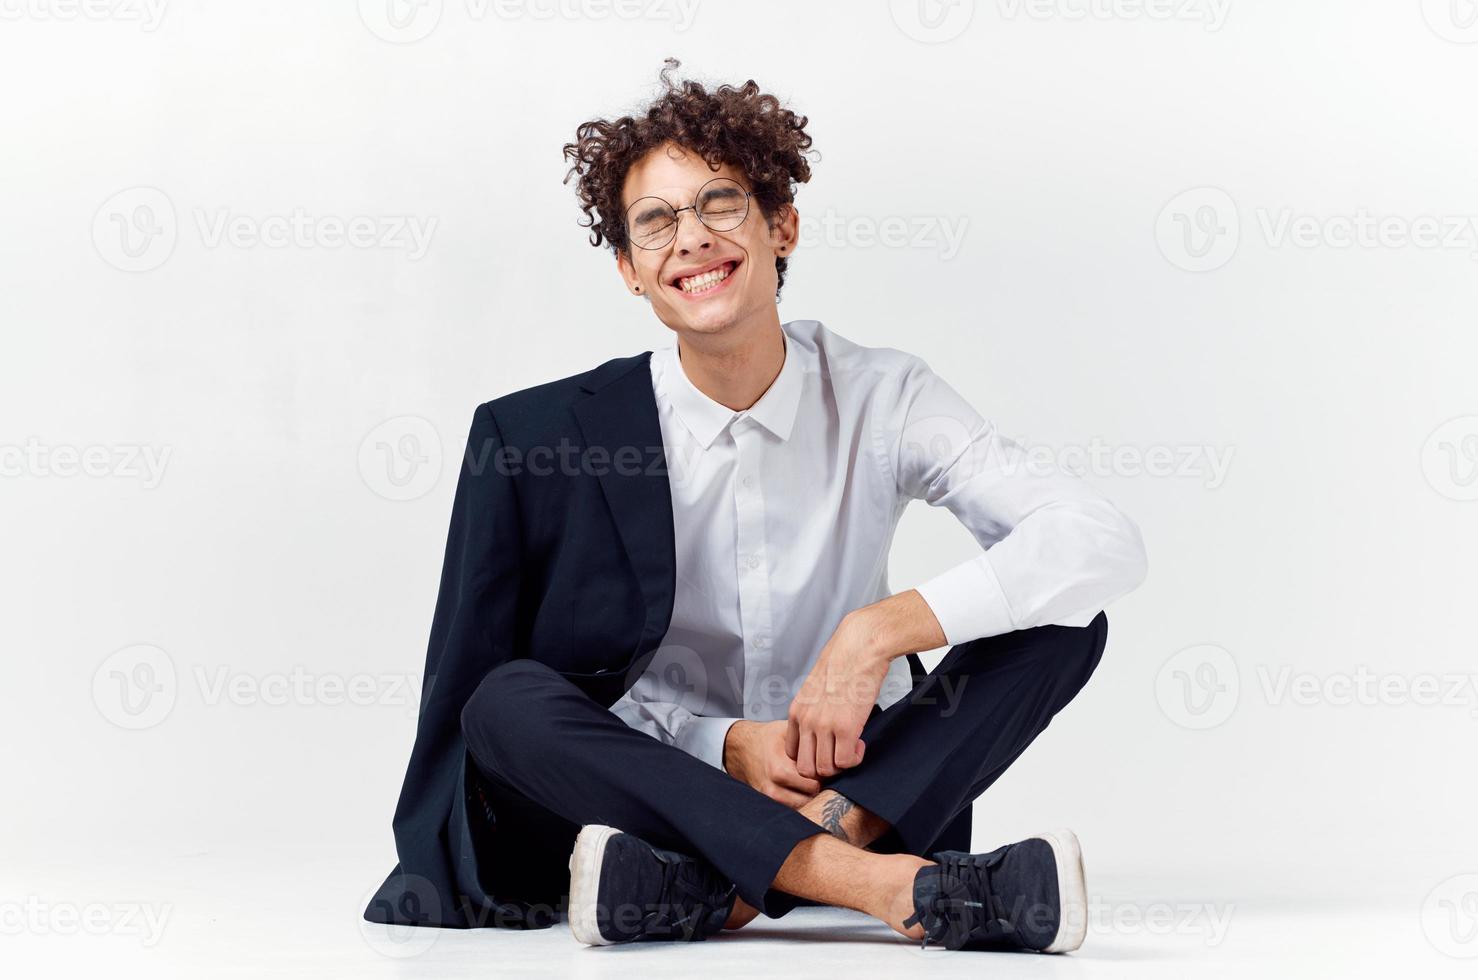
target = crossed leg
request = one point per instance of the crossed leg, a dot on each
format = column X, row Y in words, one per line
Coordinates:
column 929, row 755
column 933, row 752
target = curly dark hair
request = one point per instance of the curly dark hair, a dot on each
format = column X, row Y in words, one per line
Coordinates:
column 741, row 126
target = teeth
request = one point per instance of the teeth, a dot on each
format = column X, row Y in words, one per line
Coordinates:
column 693, row 284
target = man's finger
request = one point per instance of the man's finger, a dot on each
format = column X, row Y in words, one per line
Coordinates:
column 792, row 739
column 825, row 754
column 791, row 779
column 805, row 760
column 848, row 752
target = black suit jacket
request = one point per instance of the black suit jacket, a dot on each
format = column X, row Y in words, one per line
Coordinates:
column 560, row 549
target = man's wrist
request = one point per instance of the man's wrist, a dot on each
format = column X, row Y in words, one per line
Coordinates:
column 898, row 625
column 737, row 732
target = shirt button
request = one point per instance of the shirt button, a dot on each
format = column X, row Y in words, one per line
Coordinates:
column 754, row 561
column 749, row 481
column 762, row 642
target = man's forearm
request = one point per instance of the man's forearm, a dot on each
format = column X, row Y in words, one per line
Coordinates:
column 895, row 626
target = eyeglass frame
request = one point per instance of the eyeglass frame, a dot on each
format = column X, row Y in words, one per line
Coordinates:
column 677, row 214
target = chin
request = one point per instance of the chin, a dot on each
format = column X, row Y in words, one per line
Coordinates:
column 714, row 321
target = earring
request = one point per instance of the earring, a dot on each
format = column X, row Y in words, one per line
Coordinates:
column 638, row 289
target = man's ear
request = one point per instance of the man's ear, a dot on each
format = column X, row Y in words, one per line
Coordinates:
column 628, row 272
column 785, row 230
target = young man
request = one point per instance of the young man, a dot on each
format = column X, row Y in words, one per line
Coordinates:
column 667, row 677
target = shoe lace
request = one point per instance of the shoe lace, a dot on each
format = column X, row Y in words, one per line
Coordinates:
column 955, row 904
column 695, row 903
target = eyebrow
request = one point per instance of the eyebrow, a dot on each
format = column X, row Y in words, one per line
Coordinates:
column 650, row 212
column 722, row 192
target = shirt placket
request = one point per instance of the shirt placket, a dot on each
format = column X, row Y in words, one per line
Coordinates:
column 753, row 556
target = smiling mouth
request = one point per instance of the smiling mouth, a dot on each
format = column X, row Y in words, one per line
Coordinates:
column 705, row 282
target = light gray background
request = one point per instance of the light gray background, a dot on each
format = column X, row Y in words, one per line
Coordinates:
column 1101, row 247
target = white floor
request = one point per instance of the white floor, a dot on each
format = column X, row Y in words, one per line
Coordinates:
column 214, row 914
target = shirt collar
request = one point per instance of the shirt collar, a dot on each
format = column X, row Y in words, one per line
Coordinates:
column 706, row 418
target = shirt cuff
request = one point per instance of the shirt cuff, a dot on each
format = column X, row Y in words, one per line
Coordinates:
column 704, row 737
column 968, row 602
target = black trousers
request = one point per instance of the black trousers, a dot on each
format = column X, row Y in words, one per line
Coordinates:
column 555, row 760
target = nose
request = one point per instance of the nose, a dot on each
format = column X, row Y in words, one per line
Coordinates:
column 692, row 234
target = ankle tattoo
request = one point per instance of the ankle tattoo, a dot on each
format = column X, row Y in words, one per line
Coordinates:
column 833, row 811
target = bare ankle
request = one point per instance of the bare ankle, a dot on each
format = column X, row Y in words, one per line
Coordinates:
column 894, row 899
column 741, row 915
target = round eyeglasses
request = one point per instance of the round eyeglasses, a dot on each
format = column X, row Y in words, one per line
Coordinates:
column 721, row 204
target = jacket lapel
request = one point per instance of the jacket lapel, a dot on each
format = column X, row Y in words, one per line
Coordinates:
column 620, row 416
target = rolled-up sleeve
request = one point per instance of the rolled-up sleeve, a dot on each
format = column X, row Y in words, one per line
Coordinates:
column 1056, row 550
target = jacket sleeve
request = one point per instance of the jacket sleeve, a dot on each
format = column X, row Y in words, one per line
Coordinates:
column 471, row 633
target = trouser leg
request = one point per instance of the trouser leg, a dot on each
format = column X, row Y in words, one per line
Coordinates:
column 933, row 752
column 535, row 732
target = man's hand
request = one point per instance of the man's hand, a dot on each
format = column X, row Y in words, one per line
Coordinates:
column 754, row 753
column 823, row 734
column 827, row 715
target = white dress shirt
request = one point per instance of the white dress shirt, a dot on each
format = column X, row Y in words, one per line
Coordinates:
column 784, row 513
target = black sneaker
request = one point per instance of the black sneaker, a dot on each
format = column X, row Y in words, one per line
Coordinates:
column 623, row 889
column 1024, row 896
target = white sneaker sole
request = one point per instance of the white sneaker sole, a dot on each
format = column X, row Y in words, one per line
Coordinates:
column 585, row 864
column 1072, row 891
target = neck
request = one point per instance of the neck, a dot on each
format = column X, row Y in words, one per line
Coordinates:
column 734, row 371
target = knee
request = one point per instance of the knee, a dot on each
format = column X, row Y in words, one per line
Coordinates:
column 504, row 705
column 1078, row 649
